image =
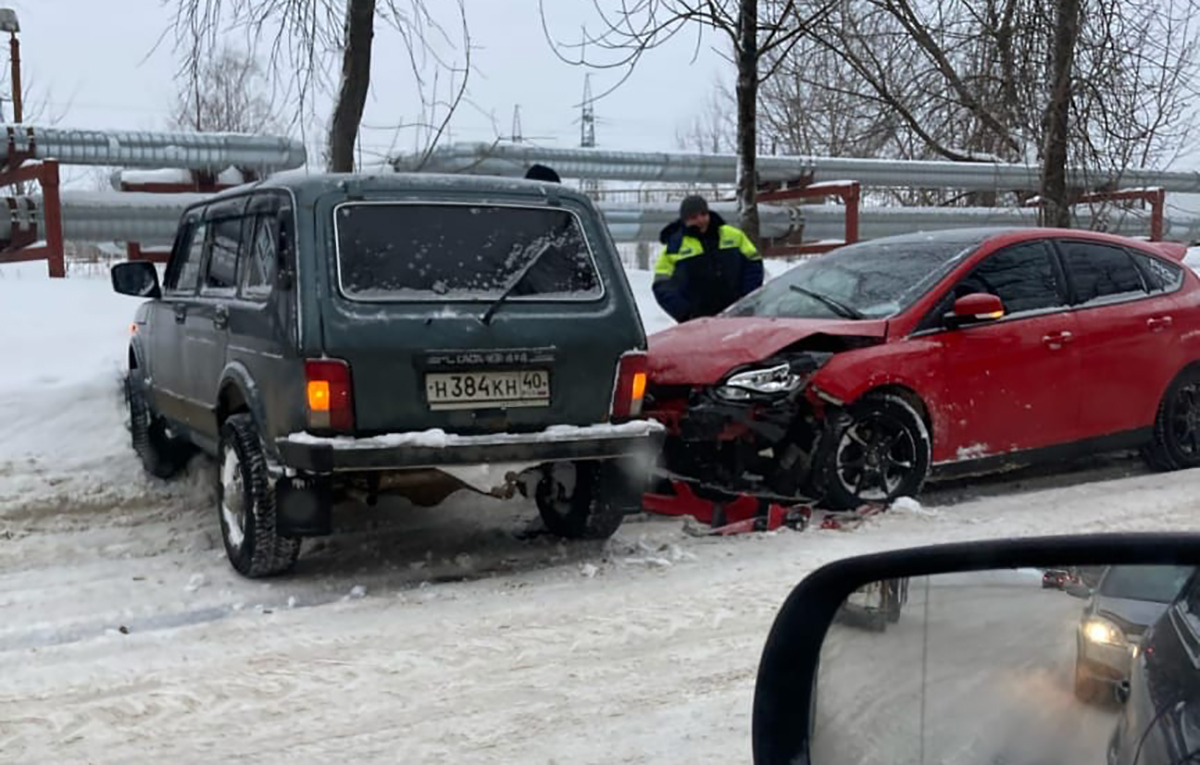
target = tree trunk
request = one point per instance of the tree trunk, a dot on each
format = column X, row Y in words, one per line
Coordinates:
column 747, row 119
column 356, row 81
column 1056, row 209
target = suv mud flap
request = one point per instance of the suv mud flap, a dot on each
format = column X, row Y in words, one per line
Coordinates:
column 304, row 507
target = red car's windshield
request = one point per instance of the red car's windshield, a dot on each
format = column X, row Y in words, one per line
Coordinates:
column 873, row 279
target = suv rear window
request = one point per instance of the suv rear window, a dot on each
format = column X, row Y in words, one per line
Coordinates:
column 462, row 252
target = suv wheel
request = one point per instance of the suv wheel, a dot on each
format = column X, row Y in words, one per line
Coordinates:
column 162, row 456
column 876, row 451
column 1176, row 443
column 246, row 503
column 583, row 500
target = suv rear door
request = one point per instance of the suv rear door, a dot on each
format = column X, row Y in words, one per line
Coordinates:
column 1127, row 348
column 262, row 319
column 414, row 311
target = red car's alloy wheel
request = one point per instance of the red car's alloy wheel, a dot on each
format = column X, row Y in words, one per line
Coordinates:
column 875, row 456
column 1186, row 419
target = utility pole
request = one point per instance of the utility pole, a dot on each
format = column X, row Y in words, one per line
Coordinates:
column 516, row 136
column 587, row 133
column 9, row 23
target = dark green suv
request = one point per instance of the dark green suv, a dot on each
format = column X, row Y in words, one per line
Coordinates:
column 342, row 335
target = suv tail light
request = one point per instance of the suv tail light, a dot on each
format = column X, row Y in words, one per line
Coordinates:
column 630, row 389
column 330, row 399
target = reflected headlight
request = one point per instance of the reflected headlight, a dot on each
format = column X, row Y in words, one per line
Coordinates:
column 770, row 381
column 1103, row 632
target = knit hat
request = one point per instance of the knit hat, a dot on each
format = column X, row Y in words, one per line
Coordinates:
column 692, row 205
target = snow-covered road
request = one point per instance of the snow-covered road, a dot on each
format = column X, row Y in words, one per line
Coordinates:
column 413, row 635
column 979, row 670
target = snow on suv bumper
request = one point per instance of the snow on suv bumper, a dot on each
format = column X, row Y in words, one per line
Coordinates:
column 436, row 448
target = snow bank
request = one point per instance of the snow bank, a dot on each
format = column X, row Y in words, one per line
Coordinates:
column 63, row 442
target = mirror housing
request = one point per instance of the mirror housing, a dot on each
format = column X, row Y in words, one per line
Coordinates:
column 786, row 687
column 976, row 308
column 138, row 278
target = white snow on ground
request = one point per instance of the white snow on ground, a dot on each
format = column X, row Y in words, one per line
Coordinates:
column 436, row 635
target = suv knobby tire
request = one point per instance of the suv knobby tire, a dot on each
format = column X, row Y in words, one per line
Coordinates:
column 246, row 504
column 590, row 508
column 162, row 456
column 877, row 450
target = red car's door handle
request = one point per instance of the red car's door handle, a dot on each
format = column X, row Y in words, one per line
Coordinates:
column 1056, row 340
column 1158, row 323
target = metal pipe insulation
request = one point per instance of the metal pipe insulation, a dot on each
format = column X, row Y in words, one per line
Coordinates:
column 205, row 152
column 669, row 167
column 151, row 219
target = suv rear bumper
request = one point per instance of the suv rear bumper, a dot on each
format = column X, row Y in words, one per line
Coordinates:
column 435, row 448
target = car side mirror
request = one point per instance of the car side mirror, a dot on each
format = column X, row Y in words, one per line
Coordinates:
column 894, row 656
column 138, row 278
column 975, row 308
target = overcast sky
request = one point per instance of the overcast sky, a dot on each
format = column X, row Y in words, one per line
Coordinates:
column 95, row 65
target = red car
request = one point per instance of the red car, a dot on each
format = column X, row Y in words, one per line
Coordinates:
column 855, row 375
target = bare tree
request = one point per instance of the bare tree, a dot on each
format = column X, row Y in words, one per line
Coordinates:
column 756, row 33
column 1100, row 87
column 228, row 94
column 714, row 129
column 1056, row 210
column 303, row 37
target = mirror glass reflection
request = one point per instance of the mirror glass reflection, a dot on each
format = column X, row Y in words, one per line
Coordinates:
column 1060, row 665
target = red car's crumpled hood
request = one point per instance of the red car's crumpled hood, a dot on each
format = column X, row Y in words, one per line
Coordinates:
column 701, row 352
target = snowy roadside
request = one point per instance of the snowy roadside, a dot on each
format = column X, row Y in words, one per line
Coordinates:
column 413, row 635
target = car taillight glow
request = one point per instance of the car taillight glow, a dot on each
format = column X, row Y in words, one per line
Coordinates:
column 630, row 389
column 330, row 399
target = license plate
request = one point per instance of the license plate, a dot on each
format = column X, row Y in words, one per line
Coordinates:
column 470, row 390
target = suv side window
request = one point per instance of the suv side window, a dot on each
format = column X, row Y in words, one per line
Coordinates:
column 221, row 274
column 1159, row 275
column 1100, row 272
column 261, row 259
column 184, row 271
column 1022, row 276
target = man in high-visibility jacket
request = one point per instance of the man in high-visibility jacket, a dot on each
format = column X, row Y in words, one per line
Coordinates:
column 705, row 264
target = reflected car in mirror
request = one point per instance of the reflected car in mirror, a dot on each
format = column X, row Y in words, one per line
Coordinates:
column 959, row 654
column 1128, row 600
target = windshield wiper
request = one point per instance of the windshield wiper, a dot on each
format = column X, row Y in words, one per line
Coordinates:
column 838, row 307
column 512, row 285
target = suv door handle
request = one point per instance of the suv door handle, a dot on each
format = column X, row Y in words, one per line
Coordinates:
column 221, row 316
column 1158, row 323
column 180, row 313
column 1056, row 340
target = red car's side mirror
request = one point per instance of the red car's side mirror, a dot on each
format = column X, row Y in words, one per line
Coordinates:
column 974, row 308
